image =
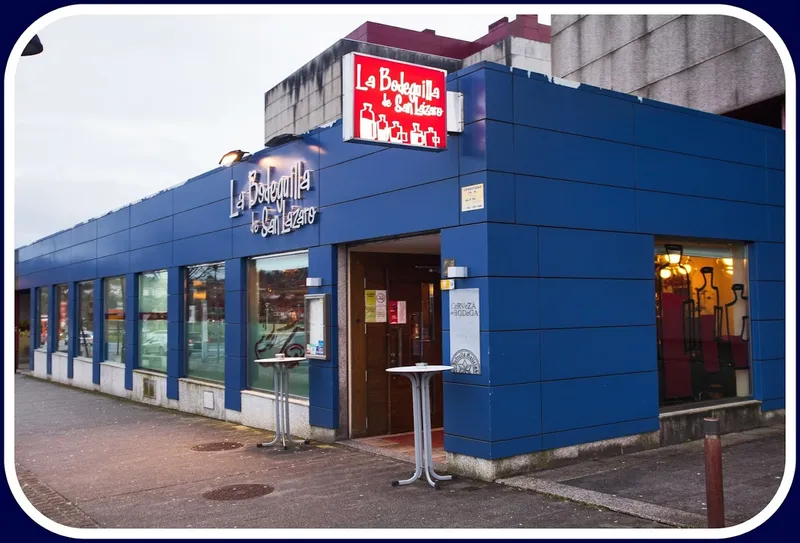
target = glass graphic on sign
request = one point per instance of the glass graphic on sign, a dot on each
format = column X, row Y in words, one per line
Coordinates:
column 368, row 129
column 397, row 134
column 417, row 137
column 383, row 128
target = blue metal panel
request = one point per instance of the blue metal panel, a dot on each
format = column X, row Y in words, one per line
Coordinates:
column 581, row 403
column 210, row 187
column 549, row 202
column 484, row 249
column 591, row 254
column 500, row 301
column 662, row 171
column 769, row 339
column 113, row 244
column 392, row 170
column 575, row 158
column 323, row 382
column 590, row 352
column 114, row 222
column 113, row 265
column 486, row 145
column 131, row 327
column 98, row 325
column 63, row 240
column 151, row 233
column 202, row 220
column 584, row 303
column 176, row 330
column 578, row 112
column 470, row 447
column 61, row 258
column 707, row 136
column 767, row 300
column 516, row 411
column 666, row 214
column 235, row 275
column 72, row 327
column 428, row 207
column 83, row 252
column 767, row 261
column 34, row 325
column 487, row 95
column 336, row 151
column 322, row 262
column 507, row 358
column 202, row 249
column 245, row 243
column 306, row 149
column 156, row 257
column 235, row 308
column 235, row 380
column 151, row 209
column 498, row 193
column 85, row 232
column 776, row 149
column 52, row 337
column 777, row 224
column 769, row 379
column 323, row 418
column 772, row 405
column 597, row 433
column 492, row 450
column 776, row 187
column 235, row 340
column 467, row 410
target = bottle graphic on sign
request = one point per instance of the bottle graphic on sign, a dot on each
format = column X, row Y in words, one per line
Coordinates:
column 397, row 134
column 368, row 129
column 417, row 135
column 383, row 128
column 432, row 138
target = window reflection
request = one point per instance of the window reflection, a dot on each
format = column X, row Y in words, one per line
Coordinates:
column 62, row 316
column 42, row 317
column 205, row 322
column 276, row 289
column 702, row 318
column 114, row 319
column 153, row 320
column 85, row 345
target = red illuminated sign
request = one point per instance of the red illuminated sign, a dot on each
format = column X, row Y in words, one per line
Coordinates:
column 392, row 102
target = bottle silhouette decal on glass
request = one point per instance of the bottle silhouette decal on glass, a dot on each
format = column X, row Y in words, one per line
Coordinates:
column 383, row 128
column 368, row 128
column 417, row 135
column 397, row 134
column 431, row 137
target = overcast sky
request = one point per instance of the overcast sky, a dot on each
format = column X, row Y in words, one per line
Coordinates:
column 120, row 107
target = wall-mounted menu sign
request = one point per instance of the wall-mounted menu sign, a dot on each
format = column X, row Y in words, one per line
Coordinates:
column 317, row 326
column 393, row 102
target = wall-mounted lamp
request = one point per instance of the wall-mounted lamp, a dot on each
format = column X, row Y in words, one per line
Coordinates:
column 455, row 272
column 313, row 281
column 233, row 157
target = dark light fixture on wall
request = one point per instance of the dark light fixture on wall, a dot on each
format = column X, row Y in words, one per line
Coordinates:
column 34, row 47
column 232, row 157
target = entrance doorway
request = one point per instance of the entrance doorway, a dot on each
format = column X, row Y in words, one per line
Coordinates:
column 395, row 320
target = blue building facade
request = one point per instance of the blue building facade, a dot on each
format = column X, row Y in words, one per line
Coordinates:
column 583, row 188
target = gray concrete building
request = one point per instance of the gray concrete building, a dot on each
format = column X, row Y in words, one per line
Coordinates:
column 713, row 63
column 312, row 96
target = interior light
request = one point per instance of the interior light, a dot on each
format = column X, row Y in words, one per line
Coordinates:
column 686, row 268
column 665, row 273
column 729, row 271
column 727, row 261
column 674, row 258
column 233, row 157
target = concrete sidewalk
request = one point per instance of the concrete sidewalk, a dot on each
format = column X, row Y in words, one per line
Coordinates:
column 89, row 460
column 667, row 485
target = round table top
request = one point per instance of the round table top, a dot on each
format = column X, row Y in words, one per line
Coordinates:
column 418, row 369
column 279, row 360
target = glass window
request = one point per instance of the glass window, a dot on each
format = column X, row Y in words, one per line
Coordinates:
column 276, row 287
column 42, row 340
column 85, row 346
column 114, row 319
column 205, row 322
column 702, row 322
column 153, row 320
column 62, row 316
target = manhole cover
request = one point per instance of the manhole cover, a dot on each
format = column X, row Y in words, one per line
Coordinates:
column 237, row 492
column 219, row 446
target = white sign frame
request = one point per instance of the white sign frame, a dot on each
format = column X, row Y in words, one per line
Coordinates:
column 465, row 331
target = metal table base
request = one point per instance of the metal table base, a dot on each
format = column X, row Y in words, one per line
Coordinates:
column 283, row 436
column 420, row 392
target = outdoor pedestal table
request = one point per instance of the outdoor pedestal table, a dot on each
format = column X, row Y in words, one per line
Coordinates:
column 281, row 368
column 420, row 377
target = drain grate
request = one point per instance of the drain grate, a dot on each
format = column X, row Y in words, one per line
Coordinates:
column 237, row 492
column 218, row 446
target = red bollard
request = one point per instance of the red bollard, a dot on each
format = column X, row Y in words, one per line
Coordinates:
column 714, row 496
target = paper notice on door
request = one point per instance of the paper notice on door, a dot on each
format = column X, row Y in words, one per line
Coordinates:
column 381, row 304
column 397, row 312
column 369, row 306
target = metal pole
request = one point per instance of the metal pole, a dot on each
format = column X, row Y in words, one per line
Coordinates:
column 714, row 494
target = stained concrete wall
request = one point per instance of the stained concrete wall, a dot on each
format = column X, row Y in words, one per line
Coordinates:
column 709, row 62
column 518, row 52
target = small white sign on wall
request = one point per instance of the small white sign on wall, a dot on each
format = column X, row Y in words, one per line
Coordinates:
column 472, row 197
column 465, row 331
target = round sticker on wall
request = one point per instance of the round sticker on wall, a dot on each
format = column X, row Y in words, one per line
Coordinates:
column 465, row 361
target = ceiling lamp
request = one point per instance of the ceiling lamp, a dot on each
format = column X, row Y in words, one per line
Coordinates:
column 665, row 273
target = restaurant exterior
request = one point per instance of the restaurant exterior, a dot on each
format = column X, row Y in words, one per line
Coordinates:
column 594, row 267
